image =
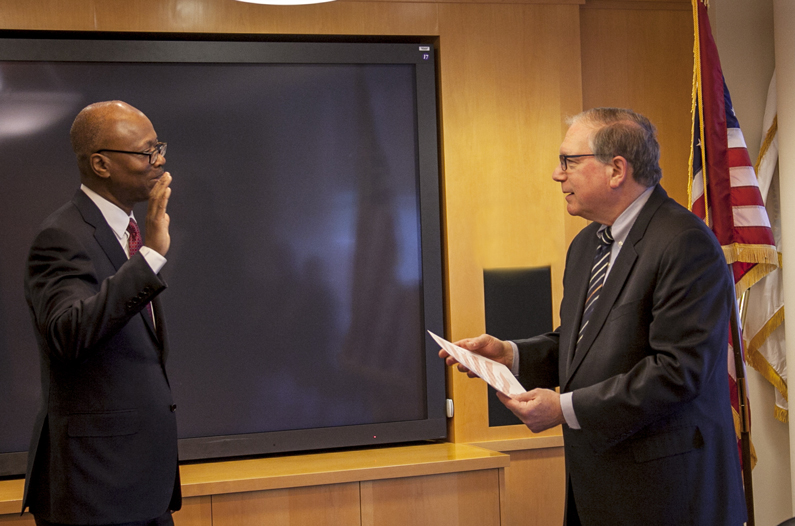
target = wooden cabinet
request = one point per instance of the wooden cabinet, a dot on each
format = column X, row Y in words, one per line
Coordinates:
column 441, row 484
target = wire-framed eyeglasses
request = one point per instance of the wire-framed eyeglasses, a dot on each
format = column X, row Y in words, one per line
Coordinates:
column 159, row 149
column 564, row 159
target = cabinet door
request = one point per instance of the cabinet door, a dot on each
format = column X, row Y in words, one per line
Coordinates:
column 470, row 498
column 332, row 505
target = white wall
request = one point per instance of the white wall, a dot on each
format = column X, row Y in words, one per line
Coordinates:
column 743, row 30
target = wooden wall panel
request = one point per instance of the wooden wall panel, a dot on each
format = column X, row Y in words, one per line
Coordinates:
column 17, row 520
column 459, row 499
column 331, row 505
column 221, row 16
column 643, row 59
column 503, row 94
column 535, row 484
column 196, row 511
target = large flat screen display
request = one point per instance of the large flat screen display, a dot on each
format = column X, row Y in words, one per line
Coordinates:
column 305, row 264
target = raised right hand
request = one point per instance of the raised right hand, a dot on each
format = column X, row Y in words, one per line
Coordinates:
column 157, row 220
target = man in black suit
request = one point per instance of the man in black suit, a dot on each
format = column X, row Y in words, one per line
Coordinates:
column 104, row 446
column 640, row 355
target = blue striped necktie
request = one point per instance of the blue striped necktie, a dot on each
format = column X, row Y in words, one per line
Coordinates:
column 601, row 262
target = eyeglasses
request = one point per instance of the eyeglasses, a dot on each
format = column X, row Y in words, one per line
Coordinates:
column 159, row 149
column 564, row 159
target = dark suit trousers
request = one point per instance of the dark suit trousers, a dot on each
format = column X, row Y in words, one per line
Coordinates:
column 572, row 518
column 163, row 520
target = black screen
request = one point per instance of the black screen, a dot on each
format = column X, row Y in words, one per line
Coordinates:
column 305, row 262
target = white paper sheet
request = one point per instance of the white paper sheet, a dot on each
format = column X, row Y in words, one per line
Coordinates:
column 496, row 374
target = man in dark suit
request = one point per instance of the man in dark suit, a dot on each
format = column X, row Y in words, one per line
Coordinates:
column 640, row 355
column 104, row 446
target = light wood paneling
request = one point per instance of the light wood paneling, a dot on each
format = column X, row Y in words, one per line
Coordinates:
column 536, row 487
column 196, row 511
column 332, row 505
column 643, row 59
column 678, row 5
column 460, row 499
column 563, row 2
column 11, row 496
column 522, row 444
column 508, row 75
column 221, row 16
column 17, row 520
column 291, row 471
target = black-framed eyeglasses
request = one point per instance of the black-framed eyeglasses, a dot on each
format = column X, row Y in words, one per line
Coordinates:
column 564, row 159
column 159, row 149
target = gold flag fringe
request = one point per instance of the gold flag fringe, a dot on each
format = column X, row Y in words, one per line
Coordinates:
column 765, row 256
column 696, row 95
column 693, row 97
column 746, row 253
column 769, row 136
column 757, row 360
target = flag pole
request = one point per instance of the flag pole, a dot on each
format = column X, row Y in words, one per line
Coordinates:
column 745, row 416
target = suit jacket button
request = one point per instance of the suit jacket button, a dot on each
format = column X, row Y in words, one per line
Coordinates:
column 173, row 407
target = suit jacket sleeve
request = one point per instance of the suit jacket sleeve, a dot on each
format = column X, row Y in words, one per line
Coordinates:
column 74, row 311
column 538, row 361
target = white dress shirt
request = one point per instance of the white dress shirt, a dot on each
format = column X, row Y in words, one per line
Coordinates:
column 118, row 221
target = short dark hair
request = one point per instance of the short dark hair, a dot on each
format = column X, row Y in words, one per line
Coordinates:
column 628, row 134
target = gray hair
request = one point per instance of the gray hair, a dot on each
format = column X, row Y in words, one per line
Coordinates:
column 627, row 134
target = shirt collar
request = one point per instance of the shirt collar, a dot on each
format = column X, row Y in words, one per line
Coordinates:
column 115, row 216
column 623, row 224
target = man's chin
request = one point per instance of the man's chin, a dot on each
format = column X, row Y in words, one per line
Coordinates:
column 571, row 208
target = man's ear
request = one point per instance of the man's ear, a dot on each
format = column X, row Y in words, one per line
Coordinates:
column 620, row 170
column 99, row 165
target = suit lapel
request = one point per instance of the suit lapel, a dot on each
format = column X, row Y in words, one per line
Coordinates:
column 102, row 232
column 108, row 241
column 622, row 268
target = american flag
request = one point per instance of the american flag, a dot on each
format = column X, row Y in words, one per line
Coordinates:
column 723, row 187
column 726, row 194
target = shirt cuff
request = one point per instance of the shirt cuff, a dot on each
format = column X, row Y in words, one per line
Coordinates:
column 567, row 406
column 515, row 366
column 153, row 258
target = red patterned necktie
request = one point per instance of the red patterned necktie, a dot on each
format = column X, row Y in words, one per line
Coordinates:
column 134, row 244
